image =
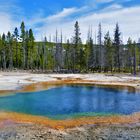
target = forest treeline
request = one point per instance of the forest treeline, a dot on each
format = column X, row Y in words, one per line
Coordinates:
column 21, row 51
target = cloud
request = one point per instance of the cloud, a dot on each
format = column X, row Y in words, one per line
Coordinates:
column 8, row 15
column 104, row 1
column 112, row 7
column 64, row 13
column 128, row 19
column 41, row 24
column 6, row 22
column 109, row 1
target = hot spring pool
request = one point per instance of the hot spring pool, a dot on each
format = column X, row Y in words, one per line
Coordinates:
column 68, row 101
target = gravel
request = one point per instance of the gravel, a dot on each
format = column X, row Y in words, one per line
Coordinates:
column 98, row 132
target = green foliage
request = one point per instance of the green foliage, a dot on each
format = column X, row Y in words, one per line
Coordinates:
column 21, row 51
column 117, row 50
column 108, row 53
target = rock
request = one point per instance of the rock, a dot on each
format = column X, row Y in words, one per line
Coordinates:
column 36, row 132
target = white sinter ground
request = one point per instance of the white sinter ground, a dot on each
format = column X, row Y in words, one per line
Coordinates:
column 15, row 80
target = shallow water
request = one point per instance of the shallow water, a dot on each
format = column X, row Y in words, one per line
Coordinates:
column 72, row 101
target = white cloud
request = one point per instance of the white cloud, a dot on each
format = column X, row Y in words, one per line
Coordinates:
column 104, row 1
column 128, row 19
column 107, row 1
column 7, row 23
column 64, row 13
column 8, row 16
column 112, row 7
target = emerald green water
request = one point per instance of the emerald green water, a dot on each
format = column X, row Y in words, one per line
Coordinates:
column 73, row 101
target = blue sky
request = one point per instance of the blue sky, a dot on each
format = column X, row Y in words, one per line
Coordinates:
column 45, row 16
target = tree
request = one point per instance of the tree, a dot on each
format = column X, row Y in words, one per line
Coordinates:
column 134, row 58
column 82, row 60
column 31, row 48
column 130, row 55
column 23, row 37
column 20, row 50
column 117, row 43
column 1, row 57
column 101, row 49
column 26, row 49
column 4, row 51
column 10, row 49
column 90, row 54
column 59, row 53
column 67, row 55
column 16, row 37
column 76, row 46
column 108, row 52
column 44, row 51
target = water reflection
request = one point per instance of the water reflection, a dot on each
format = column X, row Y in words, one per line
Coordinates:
column 74, row 99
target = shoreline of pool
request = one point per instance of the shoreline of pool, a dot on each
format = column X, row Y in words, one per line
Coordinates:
column 70, row 123
column 16, row 81
column 40, row 86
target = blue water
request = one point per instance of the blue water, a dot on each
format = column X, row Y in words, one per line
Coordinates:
column 70, row 101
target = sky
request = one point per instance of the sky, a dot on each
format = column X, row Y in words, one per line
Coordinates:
column 45, row 16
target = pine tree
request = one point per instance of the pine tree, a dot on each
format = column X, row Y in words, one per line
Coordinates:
column 23, row 37
column 76, row 46
column 129, row 60
column 10, row 49
column 117, row 43
column 44, row 51
column 101, row 51
column 67, row 55
column 4, row 51
column 59, row 53
column 16, row 37
column 108, row 52
column 74, row 56
column 90, row 54
column 31, row 48
column 1, row 52
column 26, row 49
column 134, row 58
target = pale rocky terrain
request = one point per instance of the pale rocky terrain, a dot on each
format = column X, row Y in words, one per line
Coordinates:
column 15, row 80
column 34, row 132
